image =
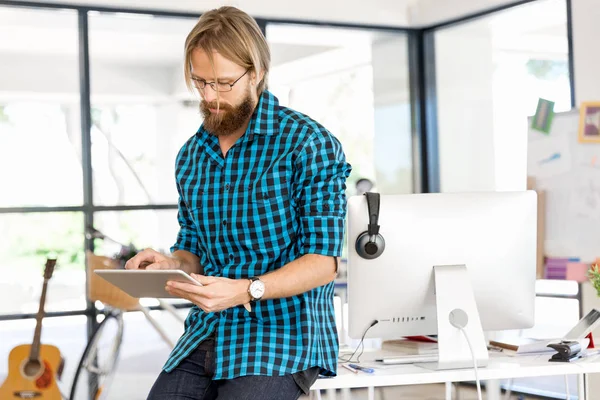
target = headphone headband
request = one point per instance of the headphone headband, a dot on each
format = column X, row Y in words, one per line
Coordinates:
column 373, row 205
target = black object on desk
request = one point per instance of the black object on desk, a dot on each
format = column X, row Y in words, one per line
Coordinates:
column 566, row 351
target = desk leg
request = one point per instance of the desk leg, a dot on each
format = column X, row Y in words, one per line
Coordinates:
column 331, row 394
column 346, row 394
column 493, row 390
column 582, row 387
column 371, row 392
column 448, row 390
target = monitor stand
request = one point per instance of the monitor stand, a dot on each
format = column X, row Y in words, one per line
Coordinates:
column 456, row 305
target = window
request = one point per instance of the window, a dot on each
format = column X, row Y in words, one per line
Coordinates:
column 40, row 132
column 40, row 159
column 147, row 228
column 490, row 73
column 142, row 113
column 354, row 83
column 27, row 240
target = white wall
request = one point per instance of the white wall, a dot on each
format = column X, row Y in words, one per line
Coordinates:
column 586, row 32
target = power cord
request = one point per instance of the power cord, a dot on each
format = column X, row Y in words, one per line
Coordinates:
column 361, row 345
column 474, row 361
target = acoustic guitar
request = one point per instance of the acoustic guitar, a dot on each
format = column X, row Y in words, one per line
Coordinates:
column 33, row 369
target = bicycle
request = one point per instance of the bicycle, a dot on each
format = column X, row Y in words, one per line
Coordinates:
column 101, row 353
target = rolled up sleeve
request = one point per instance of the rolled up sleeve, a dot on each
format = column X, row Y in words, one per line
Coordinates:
column 187, row 238
column 320, row 191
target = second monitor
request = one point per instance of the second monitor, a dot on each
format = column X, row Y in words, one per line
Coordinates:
column 471, row 252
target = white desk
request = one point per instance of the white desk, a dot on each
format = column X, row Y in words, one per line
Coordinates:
column 500, row 367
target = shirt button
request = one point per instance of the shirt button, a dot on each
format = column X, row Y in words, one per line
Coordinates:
column 231, row 257
column 227, row 186
column 224, row 222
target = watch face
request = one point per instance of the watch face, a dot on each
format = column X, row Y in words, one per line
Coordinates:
column 257, row 289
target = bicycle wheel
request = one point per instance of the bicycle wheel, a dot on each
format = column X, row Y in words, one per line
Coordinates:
column 99, row 359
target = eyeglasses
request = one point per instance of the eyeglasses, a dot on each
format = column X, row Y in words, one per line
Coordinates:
column 220, row 86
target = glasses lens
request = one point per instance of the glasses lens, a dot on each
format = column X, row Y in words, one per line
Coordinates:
column 224, row 87
column 198, row 84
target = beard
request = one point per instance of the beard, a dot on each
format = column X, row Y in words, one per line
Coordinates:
column 230, row 119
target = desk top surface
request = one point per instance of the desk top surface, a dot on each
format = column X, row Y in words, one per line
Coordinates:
column 500, row 367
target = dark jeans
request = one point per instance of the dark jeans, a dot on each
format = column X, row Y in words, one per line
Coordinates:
column 192, row 379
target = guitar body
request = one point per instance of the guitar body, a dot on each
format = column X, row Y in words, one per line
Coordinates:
column 28, row 380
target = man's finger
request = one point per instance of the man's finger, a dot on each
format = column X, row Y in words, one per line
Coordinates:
column 134, row 262
column 184, row 295
column 140, row 259
column 177, row 292
column 203, row 279
column 186, row 287
column 159, row 265
column 156, row 265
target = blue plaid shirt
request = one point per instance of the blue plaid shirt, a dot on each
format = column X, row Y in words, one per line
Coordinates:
column 278, row 194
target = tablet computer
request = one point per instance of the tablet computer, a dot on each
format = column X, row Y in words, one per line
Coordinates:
column 145, row 283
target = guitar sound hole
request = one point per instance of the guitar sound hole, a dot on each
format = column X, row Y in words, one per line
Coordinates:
column 32, row 368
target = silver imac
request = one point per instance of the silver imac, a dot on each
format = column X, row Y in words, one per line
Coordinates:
column 447, row 255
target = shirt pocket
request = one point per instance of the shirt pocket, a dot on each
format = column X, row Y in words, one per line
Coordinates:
column 272, row 216
column 204, row 217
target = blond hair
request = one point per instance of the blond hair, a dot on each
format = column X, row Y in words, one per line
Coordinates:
column 236, row 36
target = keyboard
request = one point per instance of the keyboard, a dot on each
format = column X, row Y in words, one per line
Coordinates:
column 409, row 359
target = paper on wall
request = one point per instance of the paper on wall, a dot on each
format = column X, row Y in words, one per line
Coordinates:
column 549, row 157
column 585, row 196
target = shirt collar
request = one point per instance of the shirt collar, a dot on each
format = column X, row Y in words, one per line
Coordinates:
column 265, row 120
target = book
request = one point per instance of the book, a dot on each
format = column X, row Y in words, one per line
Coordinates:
column 408, row 346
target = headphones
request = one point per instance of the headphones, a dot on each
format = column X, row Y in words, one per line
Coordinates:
column 370, row 244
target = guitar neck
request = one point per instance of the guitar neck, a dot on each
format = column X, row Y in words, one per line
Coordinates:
column 34, row 354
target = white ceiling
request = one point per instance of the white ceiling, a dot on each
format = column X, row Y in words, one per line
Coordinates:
column 379, row 12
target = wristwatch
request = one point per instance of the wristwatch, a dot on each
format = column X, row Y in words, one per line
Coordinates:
column 256, row 290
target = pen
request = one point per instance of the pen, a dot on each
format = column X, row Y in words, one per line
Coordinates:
column 590, row 353
column 349, row 368
column 363, row 369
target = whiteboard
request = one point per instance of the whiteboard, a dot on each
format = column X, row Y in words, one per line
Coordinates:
column 569, row 172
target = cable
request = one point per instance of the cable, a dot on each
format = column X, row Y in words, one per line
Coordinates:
column 474, row 361
column 361, row 345
column 567, row 387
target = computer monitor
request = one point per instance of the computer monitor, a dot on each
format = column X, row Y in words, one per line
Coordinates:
column 479, row 247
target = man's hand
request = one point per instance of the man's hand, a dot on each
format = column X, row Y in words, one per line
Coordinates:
column 152, row 259
column 216, row 294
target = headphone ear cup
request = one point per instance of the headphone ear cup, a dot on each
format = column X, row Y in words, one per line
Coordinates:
column 368, row 249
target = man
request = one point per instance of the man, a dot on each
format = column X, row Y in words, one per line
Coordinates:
column 261, row 214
